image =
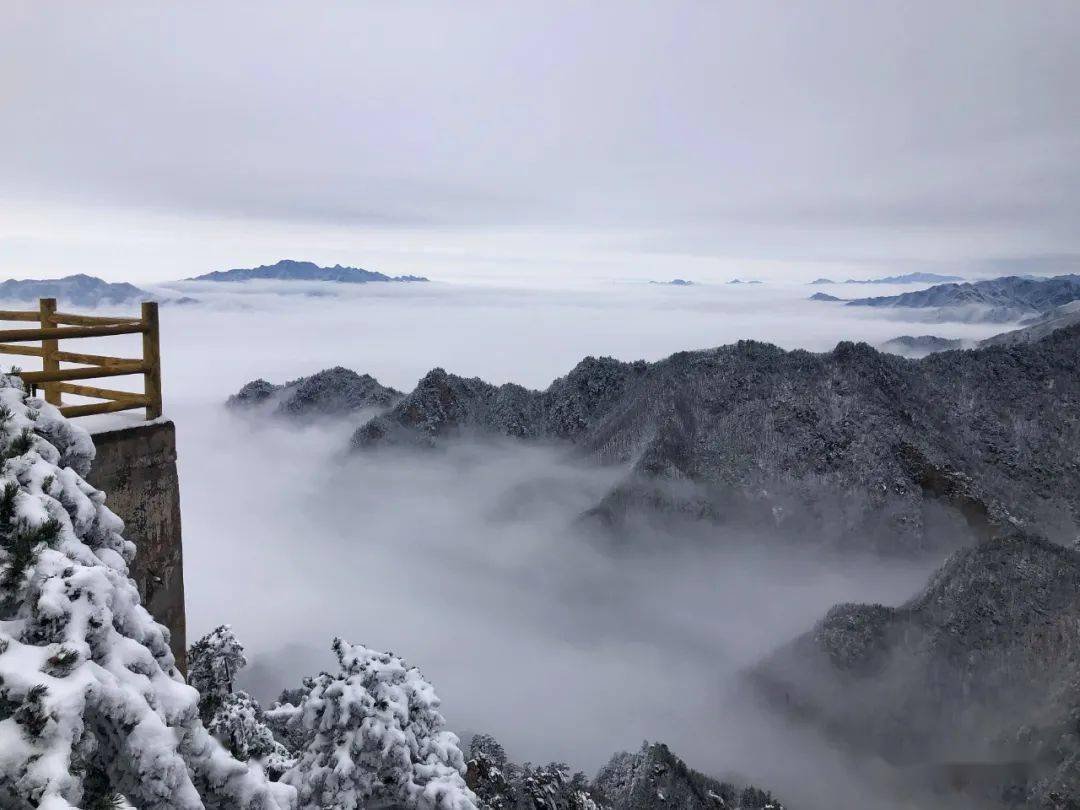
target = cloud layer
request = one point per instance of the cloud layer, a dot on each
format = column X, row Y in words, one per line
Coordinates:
column 212, row 135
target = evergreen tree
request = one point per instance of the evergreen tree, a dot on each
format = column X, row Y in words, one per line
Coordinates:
column 233, row 716
column 486, row 746
column 486, row 773
column 213, row 663
column 91, row 703
column 375, row 733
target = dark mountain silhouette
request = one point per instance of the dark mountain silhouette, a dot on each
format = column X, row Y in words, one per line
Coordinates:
column 289, row 270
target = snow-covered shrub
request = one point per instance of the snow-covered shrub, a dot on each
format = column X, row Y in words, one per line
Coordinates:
column 234, row 717
column 374, row 733
column 239, row 724
column 91, row 703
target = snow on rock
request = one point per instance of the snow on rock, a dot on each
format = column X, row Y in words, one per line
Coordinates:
column 445, row 404
column 655, row 777
column 374, row 732
column 91, row 703
column 332, row 392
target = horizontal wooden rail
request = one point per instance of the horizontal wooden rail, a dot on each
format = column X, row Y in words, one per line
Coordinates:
column 61, row 332
column 16, row 315
column 30, row 351
column 100, row 393
column 94, row 359
column 103, row 407
column 55, row 326
column 35, row 377
column 90, row 320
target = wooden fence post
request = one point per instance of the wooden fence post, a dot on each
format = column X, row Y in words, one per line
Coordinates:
column 152, row 359
column 49, row 347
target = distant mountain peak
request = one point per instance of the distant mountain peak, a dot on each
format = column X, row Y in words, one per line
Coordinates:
column 79, row 289
column 294, row 270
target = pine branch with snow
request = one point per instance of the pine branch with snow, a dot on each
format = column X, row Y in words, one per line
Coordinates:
column 91, row 703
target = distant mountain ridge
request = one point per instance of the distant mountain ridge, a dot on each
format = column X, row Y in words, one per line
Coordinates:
column 999, row 299
column 920, row 345
column 291, row 270
column 1038, row 328
column 80, row 289
column 907, row 278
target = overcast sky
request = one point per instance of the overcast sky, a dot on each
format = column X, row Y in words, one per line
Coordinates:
column 152, row 141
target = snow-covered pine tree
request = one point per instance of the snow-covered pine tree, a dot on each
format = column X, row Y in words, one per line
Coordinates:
column 487, row 773
column 487, row 747
column 91, row 703
column 374, row 734
column 213, row 662
column 233, row 716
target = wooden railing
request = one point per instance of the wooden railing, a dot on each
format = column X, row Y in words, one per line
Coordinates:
column 55, row 326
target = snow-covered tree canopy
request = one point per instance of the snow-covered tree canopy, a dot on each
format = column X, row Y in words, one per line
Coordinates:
column 374, row 732
column 91, row 703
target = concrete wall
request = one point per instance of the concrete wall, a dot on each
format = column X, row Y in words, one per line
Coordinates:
column 136, row 468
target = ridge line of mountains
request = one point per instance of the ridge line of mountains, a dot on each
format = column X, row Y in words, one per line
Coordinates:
column 995, row 300
column 84, row 290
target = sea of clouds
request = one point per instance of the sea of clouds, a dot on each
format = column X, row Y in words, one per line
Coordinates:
column 467, row 561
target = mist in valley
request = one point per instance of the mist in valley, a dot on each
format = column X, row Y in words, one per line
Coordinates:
column 468, row 560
